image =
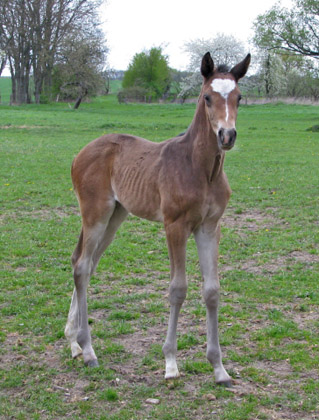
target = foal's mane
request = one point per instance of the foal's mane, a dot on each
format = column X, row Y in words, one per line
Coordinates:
column 223, row 68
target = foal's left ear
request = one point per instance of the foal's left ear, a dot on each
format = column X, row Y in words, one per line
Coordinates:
column 207, row 67
column 241, row 68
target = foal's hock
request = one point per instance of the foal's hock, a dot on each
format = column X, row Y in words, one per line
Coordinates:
column 179, row 182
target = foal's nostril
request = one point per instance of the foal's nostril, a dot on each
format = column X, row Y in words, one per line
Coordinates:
column 221, row 135
column 232, row 134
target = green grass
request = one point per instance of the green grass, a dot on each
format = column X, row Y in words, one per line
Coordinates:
column 5, row 89
column 269, row 266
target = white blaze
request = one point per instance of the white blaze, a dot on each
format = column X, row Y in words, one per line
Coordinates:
column 223, row 87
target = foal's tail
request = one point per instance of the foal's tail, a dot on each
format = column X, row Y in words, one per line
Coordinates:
column 78, row 250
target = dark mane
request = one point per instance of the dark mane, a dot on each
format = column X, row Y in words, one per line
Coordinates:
column 223, row 68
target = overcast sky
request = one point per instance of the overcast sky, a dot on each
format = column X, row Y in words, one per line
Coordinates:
column 134, row 25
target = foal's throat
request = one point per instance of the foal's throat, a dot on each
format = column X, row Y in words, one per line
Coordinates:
column 217, row 167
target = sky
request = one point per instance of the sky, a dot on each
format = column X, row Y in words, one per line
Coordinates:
column 132, row 26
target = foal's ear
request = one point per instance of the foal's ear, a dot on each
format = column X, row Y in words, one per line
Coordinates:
column 207, row 67
column 241, row 68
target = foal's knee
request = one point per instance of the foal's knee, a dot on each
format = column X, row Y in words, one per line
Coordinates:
column 81, row 271
column 211, row 296
column 177, row 294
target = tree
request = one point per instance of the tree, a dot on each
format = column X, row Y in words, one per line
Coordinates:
column 31, row 33
column 273, row 75
column 225, row 49
column 295, row 30
column 15, row 42
column 55, row 21
column 149, row 70
column 79, row 68
column 3, row 61
column 282, row 73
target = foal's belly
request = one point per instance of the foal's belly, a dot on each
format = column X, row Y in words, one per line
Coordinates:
column 139, row 201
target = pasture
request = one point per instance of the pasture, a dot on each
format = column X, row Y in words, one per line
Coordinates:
column 268, row 265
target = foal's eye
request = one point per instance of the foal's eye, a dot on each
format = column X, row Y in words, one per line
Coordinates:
column 207, row 99
column 239, row 99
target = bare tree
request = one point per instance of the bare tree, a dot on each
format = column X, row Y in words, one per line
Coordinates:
column 31, row 33
column 54, row 21
column 3, row 60
column 14, row 28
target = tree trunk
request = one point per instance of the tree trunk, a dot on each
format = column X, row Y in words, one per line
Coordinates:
column 82, row 94
column 3, row 64
column 13, row 96
column 78, row 102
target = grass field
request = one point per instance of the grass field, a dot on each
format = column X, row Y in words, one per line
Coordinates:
column 5, row 90
column 269, row 267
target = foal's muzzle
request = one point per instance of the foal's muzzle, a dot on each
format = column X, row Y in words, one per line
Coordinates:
column 227, row 137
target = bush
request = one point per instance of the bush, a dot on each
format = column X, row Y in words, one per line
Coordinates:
column 149, row 70
column 134, row 94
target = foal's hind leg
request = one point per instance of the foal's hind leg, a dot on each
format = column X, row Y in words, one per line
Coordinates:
column 117, row 218
column 94, row 242
column 72, row 326
column 83, row 269
column 71, row 329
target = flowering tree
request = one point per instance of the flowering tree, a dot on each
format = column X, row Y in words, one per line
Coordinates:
column 225, row 49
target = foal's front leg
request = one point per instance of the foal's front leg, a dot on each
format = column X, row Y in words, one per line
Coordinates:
column 176, row 235
column 207, row 240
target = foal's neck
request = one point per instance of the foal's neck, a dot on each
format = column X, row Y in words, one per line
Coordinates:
column 207, row 157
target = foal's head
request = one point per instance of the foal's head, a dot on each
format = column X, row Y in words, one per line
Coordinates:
column 221, row 95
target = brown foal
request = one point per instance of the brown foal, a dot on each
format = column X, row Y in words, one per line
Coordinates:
column 179, row 182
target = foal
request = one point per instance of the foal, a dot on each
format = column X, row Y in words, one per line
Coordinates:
column 179, row 182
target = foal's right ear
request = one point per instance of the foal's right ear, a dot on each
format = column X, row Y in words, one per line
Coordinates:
column 207, row 67
column 241, row 68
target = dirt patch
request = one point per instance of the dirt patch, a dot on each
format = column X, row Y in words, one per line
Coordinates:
column 304, row 257
column 54, row 213
column 22, row 127
column 305, row 320
column 252, row 221
column 44, row 213
column 281, row 263
column 73, row 392
column 13, row 342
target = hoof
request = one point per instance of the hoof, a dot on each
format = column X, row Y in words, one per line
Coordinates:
column 226, row 384
column 171, row 370
column 92, row 363
column 170, row 376
column 172, row 373
column 76, row 350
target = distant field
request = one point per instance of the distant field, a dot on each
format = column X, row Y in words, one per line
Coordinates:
column 115, row 86
column 5, row 89
column 269, row 270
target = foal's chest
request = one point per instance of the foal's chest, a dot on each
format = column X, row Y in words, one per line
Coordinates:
column 216, row 199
